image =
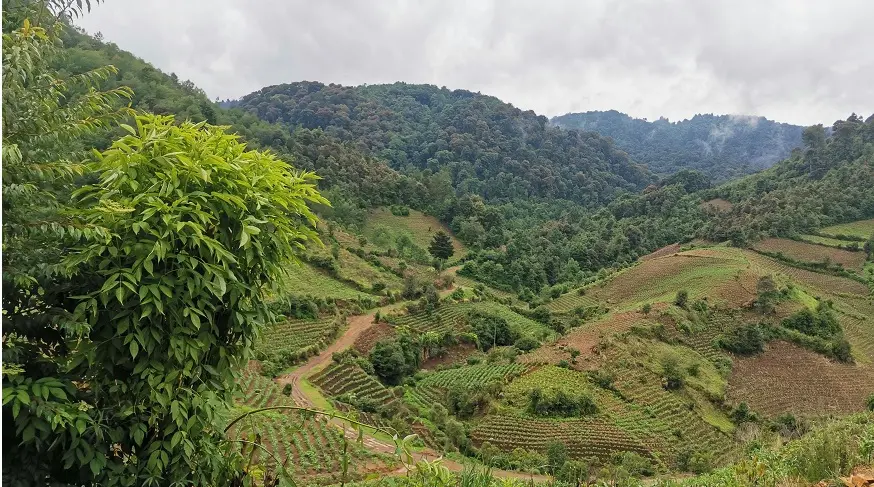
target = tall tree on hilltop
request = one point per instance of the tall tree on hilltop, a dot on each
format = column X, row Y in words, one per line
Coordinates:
column 441, row 246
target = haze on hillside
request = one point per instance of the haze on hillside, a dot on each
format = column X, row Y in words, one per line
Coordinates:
column 796, row 62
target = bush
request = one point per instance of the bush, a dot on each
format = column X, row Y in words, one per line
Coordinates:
column 557, row 402
column 541, row 314
column 746, row 340
column 399, row 210
column 682, row 298
column 870, row 402
column 286, row 389
column 491, row 329
column 526, row 344
column 823, row 323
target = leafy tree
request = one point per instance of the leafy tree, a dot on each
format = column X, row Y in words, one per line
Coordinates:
column 745, row 340
column 491, row 330
column 389, row 361
column 767, row 294
column 441, row 246
column 166, row 299
column 556, row 455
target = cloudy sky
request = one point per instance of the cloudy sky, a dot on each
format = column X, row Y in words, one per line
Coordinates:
column 796, row 61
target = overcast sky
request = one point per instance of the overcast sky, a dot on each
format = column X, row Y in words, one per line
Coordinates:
column 796, row 61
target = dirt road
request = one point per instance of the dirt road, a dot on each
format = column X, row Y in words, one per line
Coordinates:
column 357, row 325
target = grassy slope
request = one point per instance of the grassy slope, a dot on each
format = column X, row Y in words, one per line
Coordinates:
column 418, row 226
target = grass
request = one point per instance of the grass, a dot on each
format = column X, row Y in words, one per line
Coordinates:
column 830, row 242
column 861, row 229
column 305, row 280
column 418, row 226
column 814, row 253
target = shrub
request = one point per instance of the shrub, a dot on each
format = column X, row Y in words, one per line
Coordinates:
column 745, row 340
column 870, row 402
column 526, row 343
column 557, row 402
column 682, row 298
column 491, row 329
column 286, row 389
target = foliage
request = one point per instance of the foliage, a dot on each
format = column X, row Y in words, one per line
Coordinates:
column 167, row 293
column 682, row 298
column 441, row 246
column 744, row 340
column 558, row 402
column 820, row 323
column 491, row 330
column 721, row 146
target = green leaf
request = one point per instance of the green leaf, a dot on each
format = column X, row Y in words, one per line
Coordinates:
column 134, row 348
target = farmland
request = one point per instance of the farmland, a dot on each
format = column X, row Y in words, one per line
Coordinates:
column 294, row 335
column 339, row 379
column 306, row 280
column 800, row 382
column 473, row 376
column 453, row 316
column 382, row 227
column 309, row 446
column 860, row 229
column 807, row 252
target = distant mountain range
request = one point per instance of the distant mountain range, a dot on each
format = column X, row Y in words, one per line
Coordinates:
column 721, row 146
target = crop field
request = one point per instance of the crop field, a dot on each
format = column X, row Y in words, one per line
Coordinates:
column 861, row 229
column 368, row 338
column 418, row 226
column 583, row 437
column 449, row 317
column 675, row 417
column 807, row 252
column 818, row 282
column 666, row 250
column 547, row 377
column 305, row 280
column 571, row 300
column 585, row 338
column 830, row 242
column 292, row 335
column 787, row 378
column 337, row 379
column 423, row 397
column 659, row 279
column 473, row 376
column 364, row 274
column 308, row 446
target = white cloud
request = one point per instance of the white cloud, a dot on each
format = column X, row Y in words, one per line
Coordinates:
column 798, row 61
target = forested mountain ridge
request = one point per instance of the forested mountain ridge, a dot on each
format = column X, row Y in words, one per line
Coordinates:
column 489, row 147
column 721, row 146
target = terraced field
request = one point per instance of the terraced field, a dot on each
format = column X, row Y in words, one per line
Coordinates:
column 338, row 379
column 789, row 379
column 547, row 377
column 830, row 242
column 418, row 226
column 860, row 229
column 305, row 280
column 807, row 252
column 452, row 317
column 583, row 437
column 294, row 335
column 309, row 447
column 473, row 376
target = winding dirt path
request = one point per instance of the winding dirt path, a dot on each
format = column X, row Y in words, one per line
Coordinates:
column 358, row 324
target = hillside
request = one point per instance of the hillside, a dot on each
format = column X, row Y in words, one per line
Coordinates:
column 485, row 146
column 721, row 146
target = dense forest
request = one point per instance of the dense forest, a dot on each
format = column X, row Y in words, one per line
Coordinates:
column 720, row 146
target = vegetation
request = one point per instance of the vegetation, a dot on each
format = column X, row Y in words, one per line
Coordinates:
column 720, row 146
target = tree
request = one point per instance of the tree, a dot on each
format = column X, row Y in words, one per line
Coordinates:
column 165, row 298
column 441, row 246
column 766, row 294
column 682, row 298
column 556, row 455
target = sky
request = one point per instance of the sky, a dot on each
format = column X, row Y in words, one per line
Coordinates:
column 796, row 61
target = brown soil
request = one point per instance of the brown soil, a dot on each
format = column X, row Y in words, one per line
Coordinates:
column 808, row 252
column 790, row 379
column 368, row 338
column 718, row 204
column 667, row 250
column 454, row 354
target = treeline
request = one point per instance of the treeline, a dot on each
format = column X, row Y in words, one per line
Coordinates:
column 721, row 146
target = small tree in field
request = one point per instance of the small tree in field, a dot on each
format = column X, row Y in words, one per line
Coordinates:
column 441, row 246
column 682, row 298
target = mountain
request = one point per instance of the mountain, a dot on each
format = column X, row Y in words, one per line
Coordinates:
column 486, row 146
column 721, row 146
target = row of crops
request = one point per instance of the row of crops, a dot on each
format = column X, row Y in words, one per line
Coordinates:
column 473, row 376
column 293, row 335
column 453, row 317
column 338, row 379
column 308, row 446
column 583, row 437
